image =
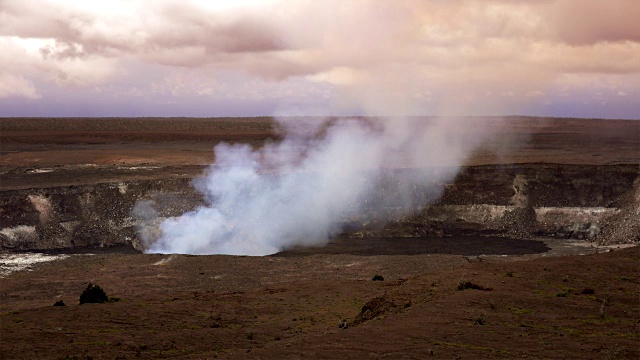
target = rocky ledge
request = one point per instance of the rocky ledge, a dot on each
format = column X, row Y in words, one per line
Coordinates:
column 597, row 203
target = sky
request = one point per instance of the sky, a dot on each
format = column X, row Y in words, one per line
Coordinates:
column 203, row 58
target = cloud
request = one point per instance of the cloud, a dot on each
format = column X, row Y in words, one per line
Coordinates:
column 455, row 51
column 11, row 85
column 591, row 22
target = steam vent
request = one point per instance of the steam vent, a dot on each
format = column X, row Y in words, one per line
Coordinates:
column 329, row 179
column 102, row 188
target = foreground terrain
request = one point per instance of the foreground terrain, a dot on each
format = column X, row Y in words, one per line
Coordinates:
column 297, row 305
column 515, row 259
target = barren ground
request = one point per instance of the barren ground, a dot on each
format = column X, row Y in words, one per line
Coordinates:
column 547, row 298
column 100, row 150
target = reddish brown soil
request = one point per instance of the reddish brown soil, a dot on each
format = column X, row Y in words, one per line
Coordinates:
column 199, row 307
column 552, row 303
column 97, row 150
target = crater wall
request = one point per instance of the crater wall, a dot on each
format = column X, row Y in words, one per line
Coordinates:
column 599, row 203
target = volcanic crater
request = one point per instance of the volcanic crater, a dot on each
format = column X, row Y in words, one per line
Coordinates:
column 549, row 223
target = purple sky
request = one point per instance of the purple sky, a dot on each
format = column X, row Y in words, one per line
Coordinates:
column 249, row 58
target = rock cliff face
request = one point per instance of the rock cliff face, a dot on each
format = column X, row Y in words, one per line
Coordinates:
column 600, row 203
column 96, row 215
column 570, row 201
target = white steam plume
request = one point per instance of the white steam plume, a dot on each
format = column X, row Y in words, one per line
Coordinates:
column 295, row 192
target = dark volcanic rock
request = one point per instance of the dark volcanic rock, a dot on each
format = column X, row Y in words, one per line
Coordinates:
column 570, row 201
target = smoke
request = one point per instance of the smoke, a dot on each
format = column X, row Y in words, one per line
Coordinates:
column 297, row 191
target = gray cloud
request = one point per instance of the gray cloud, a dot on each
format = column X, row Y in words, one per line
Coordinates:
column 405, row 55
column 590, row 22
